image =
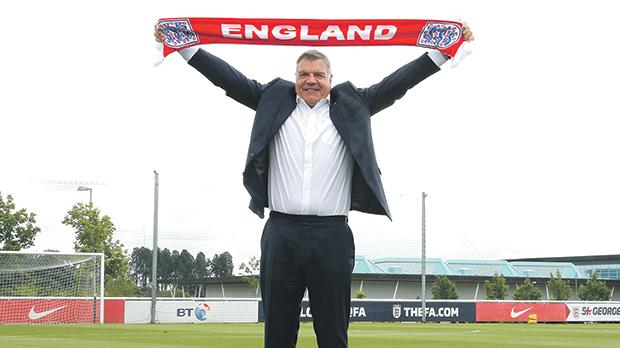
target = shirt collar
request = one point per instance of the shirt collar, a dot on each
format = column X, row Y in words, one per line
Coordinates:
column 320, row 103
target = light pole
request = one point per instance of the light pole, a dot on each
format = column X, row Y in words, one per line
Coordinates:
column 84, row 188
column 154, row 268
column 424, row 195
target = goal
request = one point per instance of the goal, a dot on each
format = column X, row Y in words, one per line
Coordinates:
column 51, row 288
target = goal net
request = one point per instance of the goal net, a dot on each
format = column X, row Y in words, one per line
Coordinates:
column 50, row 288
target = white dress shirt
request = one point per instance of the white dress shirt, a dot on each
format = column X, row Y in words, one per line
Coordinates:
column 310, row 168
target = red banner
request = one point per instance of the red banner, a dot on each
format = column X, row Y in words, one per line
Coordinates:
column 43, row 311
column 519, row 312
column 180, row 33
column 114, row 311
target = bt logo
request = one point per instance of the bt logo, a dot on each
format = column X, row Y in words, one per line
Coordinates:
column 200, row 312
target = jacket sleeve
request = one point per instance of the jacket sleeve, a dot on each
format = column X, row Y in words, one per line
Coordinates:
column 237, row 86
column 393, row 87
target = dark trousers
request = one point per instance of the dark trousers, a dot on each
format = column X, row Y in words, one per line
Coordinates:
column 313, row 252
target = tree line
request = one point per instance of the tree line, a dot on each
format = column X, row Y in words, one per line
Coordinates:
column 559, row 289
column 174, row 266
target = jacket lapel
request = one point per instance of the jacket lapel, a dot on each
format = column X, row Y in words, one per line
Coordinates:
column 338, row 119
column 285, row 110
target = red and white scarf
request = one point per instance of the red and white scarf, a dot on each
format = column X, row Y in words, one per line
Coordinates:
column 445, row 36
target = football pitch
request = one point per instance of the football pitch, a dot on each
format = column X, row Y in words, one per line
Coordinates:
column 362, row 335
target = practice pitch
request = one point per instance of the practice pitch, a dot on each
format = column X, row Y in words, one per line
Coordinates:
column 362, row 335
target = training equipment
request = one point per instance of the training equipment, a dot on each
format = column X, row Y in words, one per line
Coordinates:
column 51, row 288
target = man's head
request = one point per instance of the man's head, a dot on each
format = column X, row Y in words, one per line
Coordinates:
column 313, row 77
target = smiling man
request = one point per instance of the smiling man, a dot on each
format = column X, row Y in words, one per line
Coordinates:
column 314, row 78
column 311, row 160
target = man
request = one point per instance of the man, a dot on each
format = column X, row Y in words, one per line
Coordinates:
column 311, row 159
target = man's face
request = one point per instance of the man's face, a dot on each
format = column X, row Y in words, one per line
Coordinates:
column 313, row 81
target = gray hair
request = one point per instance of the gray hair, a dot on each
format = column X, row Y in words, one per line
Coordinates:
column 313, row 55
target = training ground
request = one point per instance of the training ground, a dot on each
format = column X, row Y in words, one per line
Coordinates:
column 362, row 335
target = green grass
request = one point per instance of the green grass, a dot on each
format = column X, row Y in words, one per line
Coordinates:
column 362, row 335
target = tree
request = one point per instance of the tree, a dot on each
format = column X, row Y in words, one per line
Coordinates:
column 527, row 291
column 252, row 267
column 121, row 286
column 496, row 288
column 141, row 266
column 165, row 264
column 560, row 290
column 17, row 227
column 222, row 265
column 444, row 288
column 165, row 270
column 201, row 266
column 594, row 290
column 175, row 262
column 249, row 271
column 185, row 265
column 93, row 234
column 360, row 294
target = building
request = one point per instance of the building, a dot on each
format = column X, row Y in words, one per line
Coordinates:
column 400, row 278
column 606, row 266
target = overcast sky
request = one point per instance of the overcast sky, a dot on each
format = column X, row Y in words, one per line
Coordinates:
column 517, row 147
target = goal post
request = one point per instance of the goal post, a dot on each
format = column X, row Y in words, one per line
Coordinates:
column 51, row 288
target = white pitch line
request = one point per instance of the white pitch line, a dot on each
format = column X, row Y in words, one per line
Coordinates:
column 357, row 333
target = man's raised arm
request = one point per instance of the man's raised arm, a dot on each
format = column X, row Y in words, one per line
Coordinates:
column 394, row 86
column 220, row 73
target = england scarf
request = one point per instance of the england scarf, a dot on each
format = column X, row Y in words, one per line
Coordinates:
column 445, row 36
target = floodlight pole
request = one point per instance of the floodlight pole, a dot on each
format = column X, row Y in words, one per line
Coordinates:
column 90, row 191
column 424, row 195
column 154, row 262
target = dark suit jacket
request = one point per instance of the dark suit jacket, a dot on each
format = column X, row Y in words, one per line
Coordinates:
column 350, row 111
